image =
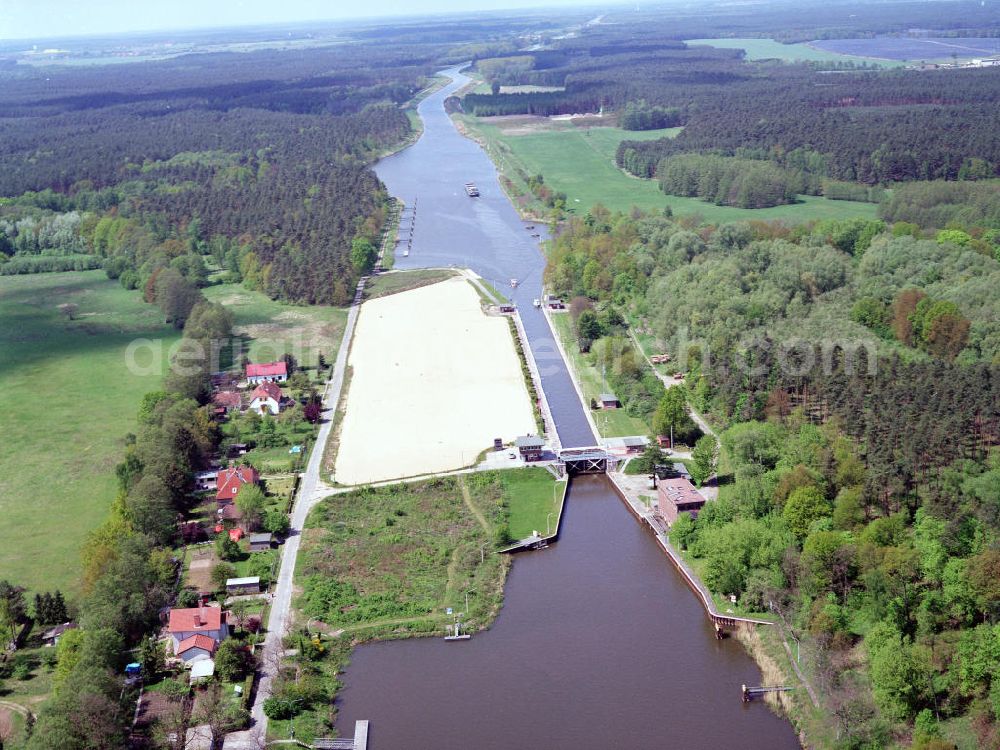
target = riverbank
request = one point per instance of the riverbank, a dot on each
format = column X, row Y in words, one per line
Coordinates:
column 416, row 124
column 575, row 156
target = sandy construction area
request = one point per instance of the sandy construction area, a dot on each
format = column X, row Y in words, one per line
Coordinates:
column 433, row 382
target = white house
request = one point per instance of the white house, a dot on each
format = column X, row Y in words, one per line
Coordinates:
column 184, row 624
column 267, row 372
column 266, row 397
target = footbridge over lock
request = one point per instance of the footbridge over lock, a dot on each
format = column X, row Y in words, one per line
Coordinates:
column 590, row 460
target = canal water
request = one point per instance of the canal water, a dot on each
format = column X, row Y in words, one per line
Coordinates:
column 600, row 643
column 485, row 234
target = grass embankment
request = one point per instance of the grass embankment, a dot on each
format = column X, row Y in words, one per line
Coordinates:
column 387, row 562
column 769, row 49
column 580, row 161
column 534, row 501
column 71, row 399
column 403, row 281
column 610, row 422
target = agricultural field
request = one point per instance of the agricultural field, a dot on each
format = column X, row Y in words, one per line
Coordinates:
column 579, row 161
column 769, row 49
column 922, row 49
column 270, row 329
column 430, row 371
column 71, row 401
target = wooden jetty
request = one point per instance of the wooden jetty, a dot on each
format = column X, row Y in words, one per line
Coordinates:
column 749, row 693
column 535, row 541
column 458, row 636
column 360, row 741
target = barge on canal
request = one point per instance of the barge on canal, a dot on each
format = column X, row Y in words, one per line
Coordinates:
column 472, row 190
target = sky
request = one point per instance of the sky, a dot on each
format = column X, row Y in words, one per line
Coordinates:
column 41, row 19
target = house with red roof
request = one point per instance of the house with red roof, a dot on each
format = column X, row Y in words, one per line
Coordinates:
column 227, row 401
column 273, row 372
column 208, row 622
column 195, row 648
column 228, row 482
column 266, row 397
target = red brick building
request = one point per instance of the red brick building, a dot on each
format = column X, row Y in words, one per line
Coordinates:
column 677, row 495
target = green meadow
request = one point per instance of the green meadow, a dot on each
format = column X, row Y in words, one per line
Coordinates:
column 579, row 161
column 271, row 329
column 71, row 399
column 534, row 501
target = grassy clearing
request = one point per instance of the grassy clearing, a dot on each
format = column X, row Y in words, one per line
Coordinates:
column 30, row 680
column 611, row 422
column 769, row 49
column 72, row 399
column 403, row 281
column 532, row 495
column 579, row 161
column 399, row 555
column 271, row 329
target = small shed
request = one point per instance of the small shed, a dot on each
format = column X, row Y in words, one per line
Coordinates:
column 203, row 669
column 249, row 585
column 609, row 401
column 260, row 542
column 530, row 447
column 636, row 444
column 51, row 637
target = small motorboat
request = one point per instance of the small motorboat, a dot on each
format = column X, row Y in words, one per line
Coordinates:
column 513, row 283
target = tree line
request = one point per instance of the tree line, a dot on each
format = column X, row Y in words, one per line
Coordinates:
column 854, row 366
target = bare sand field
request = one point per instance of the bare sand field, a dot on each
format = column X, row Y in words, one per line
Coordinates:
column 433, row 382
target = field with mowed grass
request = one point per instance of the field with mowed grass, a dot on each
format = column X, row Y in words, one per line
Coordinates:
column 271, row 329
column 534, row 501
column 580, row 162
column 70, row 401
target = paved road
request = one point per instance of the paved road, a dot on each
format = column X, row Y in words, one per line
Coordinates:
column 311, row 491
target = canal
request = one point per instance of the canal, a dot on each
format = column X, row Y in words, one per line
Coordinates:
column 599, row 643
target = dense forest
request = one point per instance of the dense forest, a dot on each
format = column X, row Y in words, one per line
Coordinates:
column 141, row 167
column 871, row 127
column 855, row 367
